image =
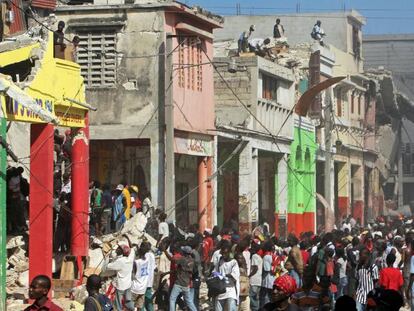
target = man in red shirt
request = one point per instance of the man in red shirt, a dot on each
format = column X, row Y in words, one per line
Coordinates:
column 391, row 278
column 39, row 288
column 208, row 248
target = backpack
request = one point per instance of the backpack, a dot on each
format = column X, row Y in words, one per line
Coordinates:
column 102, row 303
column 216, row 286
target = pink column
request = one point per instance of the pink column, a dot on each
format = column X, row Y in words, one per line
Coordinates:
column 210, row 193
column 41, row 200
column 202, row 193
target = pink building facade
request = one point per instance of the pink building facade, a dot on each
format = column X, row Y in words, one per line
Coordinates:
column 153, row 88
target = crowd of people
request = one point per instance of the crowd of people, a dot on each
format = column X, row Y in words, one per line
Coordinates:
column 351, row 268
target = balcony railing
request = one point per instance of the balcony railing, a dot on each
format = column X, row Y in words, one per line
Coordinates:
column 272, row 115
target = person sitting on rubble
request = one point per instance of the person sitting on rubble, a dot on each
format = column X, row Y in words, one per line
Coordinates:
column 278, row 30
column 95, row 300
column 244, row 39
column 38, row 290
column 318, row 33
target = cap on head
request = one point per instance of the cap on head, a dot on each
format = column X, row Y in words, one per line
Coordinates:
column 126, row 250
column 120, row 187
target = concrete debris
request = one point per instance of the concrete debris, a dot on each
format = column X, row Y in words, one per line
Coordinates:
column 134, row 228
column 96, row 258
column 14, row 242
column 79, row 294
column 17, row 280
column 23, row 279
column 97, row 242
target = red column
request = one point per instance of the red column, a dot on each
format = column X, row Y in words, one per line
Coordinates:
column 202, row 193
column 210, row 193
column 41, row 200
column 80, row 191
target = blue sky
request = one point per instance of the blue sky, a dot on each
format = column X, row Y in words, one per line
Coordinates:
column 383, row 16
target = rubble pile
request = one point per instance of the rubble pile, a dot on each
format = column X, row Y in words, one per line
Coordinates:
column 17, row 277
column 72, row 299
column 296, row 58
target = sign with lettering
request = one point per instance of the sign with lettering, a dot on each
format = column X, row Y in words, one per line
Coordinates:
column 68, row 116
column 193, row 144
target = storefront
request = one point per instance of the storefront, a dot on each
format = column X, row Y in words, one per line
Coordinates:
column 193, row 188
column 301, row 215
column 53, row 88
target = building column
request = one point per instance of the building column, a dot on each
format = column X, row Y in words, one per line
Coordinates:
column 80, row 191
column 343, row 190
column 41, row 200
column 157, row 171
column 248, row 188
column 3, row 220
column 358, row 200
column 210, row 194
column 202, row 193
column 281, row 196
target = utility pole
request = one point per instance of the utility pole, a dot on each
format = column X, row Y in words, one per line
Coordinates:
column 169, row 133
column 329, row 212
column 3, row 228
column 400, row 172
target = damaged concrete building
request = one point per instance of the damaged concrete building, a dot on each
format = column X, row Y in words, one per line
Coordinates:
column 390, row 61
column 254, row 182
column 146, row 68
column 354, row 180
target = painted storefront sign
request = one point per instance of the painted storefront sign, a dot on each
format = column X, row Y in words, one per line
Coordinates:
column 195, row 145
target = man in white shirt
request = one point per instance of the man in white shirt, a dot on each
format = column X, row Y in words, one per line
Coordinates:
column 229, row 269
column 149, row 255
column 258, row 45
column 141, row 278
column 163, row 229
column 123, row 265
column 267, row 276
column 255, row 278
column 318, row 33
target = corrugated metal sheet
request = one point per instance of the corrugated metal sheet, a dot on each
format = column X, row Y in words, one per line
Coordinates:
column 44, row 4
column 19, row 23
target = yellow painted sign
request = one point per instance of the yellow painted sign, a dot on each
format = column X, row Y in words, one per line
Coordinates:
column 52, row 82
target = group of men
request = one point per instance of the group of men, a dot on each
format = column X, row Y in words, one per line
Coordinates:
column 261, row 46
column 352, row 268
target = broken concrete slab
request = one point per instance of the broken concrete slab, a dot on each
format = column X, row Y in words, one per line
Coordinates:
column 23, row 280
column 14, row 242
column 96, row 258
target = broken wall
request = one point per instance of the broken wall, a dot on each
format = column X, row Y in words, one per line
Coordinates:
column 134, row 97
column 229, row 111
